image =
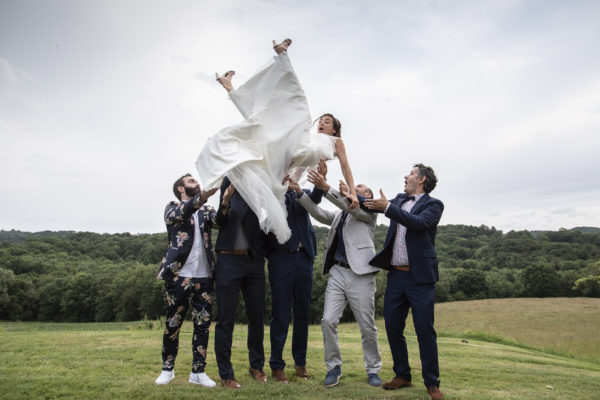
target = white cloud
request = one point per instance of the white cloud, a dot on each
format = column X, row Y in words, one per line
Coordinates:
column 104, row 104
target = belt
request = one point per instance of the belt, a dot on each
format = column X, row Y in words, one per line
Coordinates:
column 343, row 264
column 236, row 252
column 404, row 268
column 295, row 251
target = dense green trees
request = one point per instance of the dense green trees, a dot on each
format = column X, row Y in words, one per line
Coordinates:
column 83, row 276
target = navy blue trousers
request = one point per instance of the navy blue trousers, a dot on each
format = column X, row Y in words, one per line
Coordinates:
column 291, row 278
column 235, row 273
column 403, row 293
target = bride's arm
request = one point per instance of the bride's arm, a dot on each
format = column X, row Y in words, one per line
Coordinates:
column 340, row 151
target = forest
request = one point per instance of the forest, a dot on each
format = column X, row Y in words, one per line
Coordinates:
column 84, row 276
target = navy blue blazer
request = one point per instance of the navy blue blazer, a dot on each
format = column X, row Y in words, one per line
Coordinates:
column 238, row 216
column 299, row 222
column 179, row 218
column 421, row 228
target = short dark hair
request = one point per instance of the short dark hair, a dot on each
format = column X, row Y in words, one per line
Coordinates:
column 430, row 178
column 337, row 125
column 179, row 182
column 370, row 192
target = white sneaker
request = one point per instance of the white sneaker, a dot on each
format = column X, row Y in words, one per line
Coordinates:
column 165, row 377
column 201, row 379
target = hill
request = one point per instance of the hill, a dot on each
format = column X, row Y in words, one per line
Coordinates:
column 43, row 274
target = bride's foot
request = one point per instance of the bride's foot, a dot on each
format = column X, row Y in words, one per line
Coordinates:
column 281, row 47
column 225, row 80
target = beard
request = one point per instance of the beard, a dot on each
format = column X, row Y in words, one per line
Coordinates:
column 192, row 191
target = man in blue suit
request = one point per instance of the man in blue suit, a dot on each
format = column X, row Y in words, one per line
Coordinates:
column 291, row 279
column 240, row 267
column 187, row 270
column 409, row 256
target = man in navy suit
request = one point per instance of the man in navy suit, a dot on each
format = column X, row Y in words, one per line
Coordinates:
column 240, row 267
column 409, row 256
column 291, row 279
column 187, row 271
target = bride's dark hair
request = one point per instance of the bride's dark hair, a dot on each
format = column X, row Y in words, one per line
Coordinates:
column 337, row 125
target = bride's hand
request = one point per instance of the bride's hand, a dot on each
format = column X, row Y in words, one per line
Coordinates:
column 353, row 201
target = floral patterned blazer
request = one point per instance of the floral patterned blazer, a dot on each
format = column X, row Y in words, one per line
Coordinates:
column 179, row 218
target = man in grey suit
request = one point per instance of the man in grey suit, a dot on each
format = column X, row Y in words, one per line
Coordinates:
column 348, row 250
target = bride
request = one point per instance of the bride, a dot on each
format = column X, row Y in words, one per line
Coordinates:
column 273, row 140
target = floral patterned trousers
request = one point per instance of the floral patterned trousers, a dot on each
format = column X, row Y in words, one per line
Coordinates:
column 181, row 293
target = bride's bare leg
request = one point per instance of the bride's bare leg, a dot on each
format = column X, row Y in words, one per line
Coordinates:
column 225, row 80
column 281, row 47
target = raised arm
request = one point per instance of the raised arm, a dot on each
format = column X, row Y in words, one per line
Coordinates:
column 429, row 217
column 339, row 199
column 323, row 216
column 340, row 150
column 177, row 212
column 343, row 203
column 227, row 190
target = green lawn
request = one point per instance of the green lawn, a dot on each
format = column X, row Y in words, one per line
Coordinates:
column 563, row 326
column 121, row 360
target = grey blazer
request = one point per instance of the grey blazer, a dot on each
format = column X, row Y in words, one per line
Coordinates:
column 359, row 230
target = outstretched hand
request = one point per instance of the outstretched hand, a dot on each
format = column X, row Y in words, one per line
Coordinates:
column 227, row 195
column 204, row 195
column 318, row 180
column 293, row 185
column 322, row 168
column 379, row 204
column 345, row 191
column 353, row 201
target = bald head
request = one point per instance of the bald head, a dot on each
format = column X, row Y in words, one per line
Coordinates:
column 364, row 191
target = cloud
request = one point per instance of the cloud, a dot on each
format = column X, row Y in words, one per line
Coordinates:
column 501, row 98
column 10, row 74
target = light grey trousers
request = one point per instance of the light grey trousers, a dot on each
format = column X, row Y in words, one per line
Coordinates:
column 343, row 287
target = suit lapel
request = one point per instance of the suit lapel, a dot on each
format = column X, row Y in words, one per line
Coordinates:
column 419, row 204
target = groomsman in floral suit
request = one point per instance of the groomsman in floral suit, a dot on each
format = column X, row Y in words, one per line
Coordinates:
column 187, row 271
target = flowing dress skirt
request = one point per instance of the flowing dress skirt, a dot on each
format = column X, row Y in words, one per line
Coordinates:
column 273, row 139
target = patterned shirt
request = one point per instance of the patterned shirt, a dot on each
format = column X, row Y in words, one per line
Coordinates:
column 400, row 254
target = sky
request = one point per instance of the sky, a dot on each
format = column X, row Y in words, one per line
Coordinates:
column 104, row 104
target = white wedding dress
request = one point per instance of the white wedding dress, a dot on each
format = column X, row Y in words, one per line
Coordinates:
column 274, row 139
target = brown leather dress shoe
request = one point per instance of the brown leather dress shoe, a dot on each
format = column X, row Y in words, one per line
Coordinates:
column 257, row 374
column 396, row 383
column 301, row 372
column 435, row 393
column 230, row 383
column 279, row 375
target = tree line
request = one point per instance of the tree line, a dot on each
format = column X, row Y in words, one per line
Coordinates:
column 84, row 276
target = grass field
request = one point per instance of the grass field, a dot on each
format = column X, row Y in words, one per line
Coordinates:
column 121, row 360
column 564, row 326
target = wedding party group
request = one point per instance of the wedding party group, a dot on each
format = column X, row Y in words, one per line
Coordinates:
column 258, row 167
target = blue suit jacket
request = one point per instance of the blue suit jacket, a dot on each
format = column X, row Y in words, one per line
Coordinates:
column 179, row 218
column 421, row 228
column 299, row 223
column 239, row 216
